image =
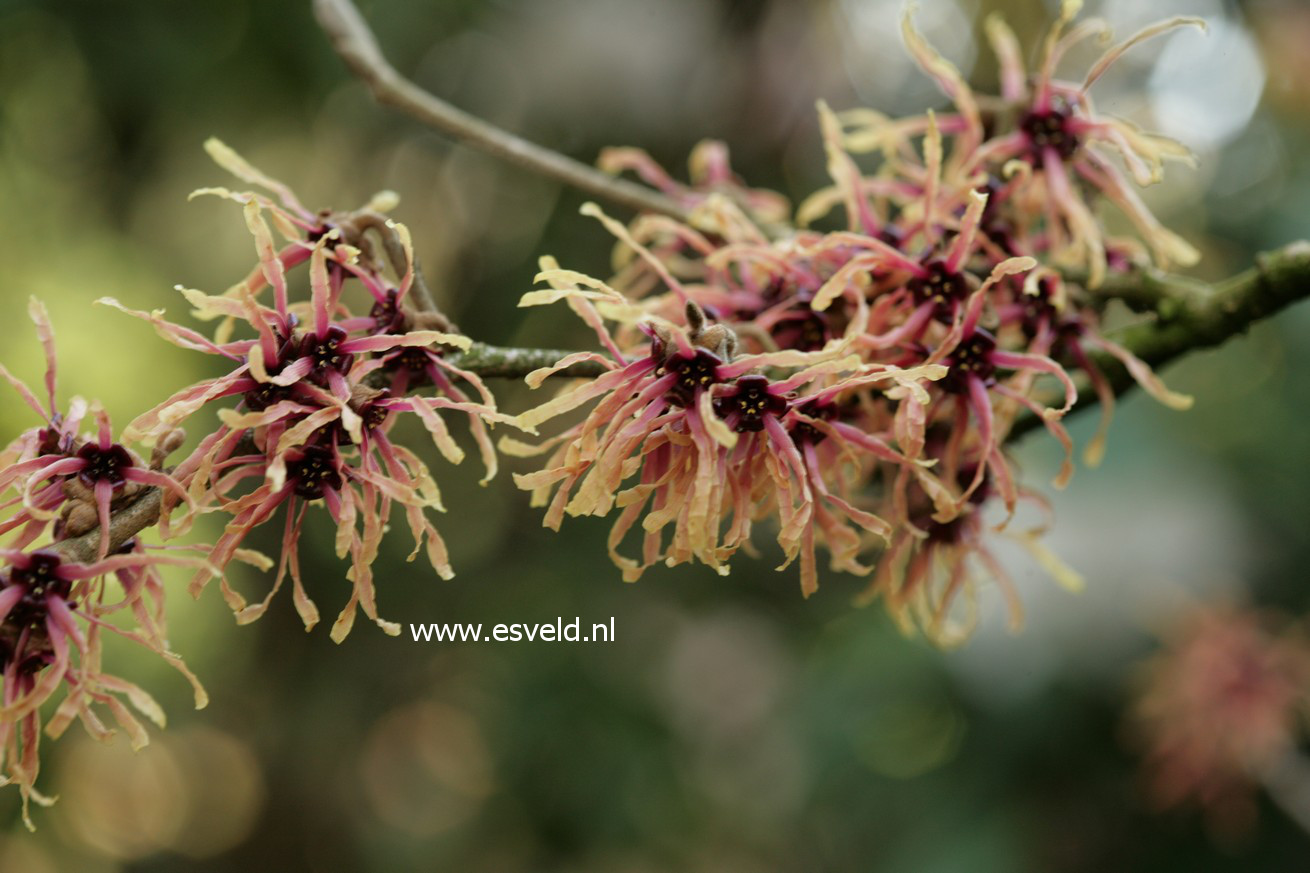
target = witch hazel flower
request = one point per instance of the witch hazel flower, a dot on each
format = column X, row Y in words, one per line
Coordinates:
column 1063, row 137
column 38, row 447
column 974, row 361
column 60, row 429
column 669, row 386
column 301, row 229
column 59, row 474
column 711, row 174
column 358, row 481
column 100, row 473
column 712, row 445
column 303, row 418
column 1002, row 221
column 818, row 464
column 1053, row 327
column 836, row 455
column 313, row 396
column 936, row 564
column 1218, row 711
column 1059, row 145
column 50, row 628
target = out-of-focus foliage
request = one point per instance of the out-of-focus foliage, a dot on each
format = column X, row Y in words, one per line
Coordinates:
column 731, row 726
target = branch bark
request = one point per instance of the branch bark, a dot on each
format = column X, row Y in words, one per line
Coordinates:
column 512, row 363
column 126, row 522
column 1187, row 315
column 353, row 40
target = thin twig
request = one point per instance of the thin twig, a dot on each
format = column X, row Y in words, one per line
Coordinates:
column 1189, row 315
column 364, row 220
column 488, row 361
column 358, row 47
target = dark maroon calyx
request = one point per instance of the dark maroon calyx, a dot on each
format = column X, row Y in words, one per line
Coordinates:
column 387, row 315
column 314, row 234
column 314, row 472
column 371, row 411
column 1051, row 130
column 40, row 576
column 366, row 403
column 892, row 236
column 750, row 403
column 942, row 532
column 261, row 398
column 784, row 289
column 39, row 580
column 325, row 351
column 35, row 654
column 416, row 359
column 104, row 465
column 779, row 288
column 994, row 223
column 1038, row 309
column 972, row 359
column 803, row 431
column 289, row 345
column 1068, row 332
column 807, row 331
column 374, row 416
column 694, row 374
column 944, row 288
column 52, row 440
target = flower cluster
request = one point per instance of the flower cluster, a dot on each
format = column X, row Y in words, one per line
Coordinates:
column 1219, row 711
column 849, row 385
column 857, row 384
column 312, row 393
column 305, row 412
column 58, row 599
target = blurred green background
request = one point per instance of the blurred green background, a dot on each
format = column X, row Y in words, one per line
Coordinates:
column 732, row 726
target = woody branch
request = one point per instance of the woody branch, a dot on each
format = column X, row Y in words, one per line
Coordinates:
column 1183, row 315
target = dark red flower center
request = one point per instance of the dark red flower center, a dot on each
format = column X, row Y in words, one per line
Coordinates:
column 943, row 532
column 104, row 465
column 266, row 395
column 39, row 579
column 806, row 330
column 326, row 350
column 751, row 402
column 314, row 472
column 386, row 314
column 40, row 576
column 1051, row 130
column 804, row 432
column 892, row 236
column 314, row 234
column 694, row 374
column 972, row 358
column 51, row 440
column 942, row 287
column 36, row 654
column 413, row 358
column 1037, row 309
